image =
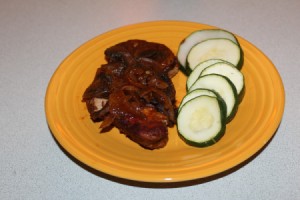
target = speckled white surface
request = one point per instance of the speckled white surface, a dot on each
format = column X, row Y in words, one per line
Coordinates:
column 35, row 36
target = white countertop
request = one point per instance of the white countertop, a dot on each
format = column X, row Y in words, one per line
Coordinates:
column 35, row 36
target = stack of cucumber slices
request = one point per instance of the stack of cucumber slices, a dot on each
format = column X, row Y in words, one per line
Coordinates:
column 212, row 60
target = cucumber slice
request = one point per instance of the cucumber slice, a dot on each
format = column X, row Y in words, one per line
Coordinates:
column 219, row 48
column 224, row 87
column 199, row 36
column 195, row 74
column 196, row 93
column 201, row 121
column 228, row 70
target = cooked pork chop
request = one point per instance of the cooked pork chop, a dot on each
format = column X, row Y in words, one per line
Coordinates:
column 133, row 91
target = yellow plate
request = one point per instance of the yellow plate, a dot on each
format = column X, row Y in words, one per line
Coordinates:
column 256, row 121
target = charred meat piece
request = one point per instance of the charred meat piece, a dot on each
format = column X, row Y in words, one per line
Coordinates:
column 133, row 91
column 133, row 50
